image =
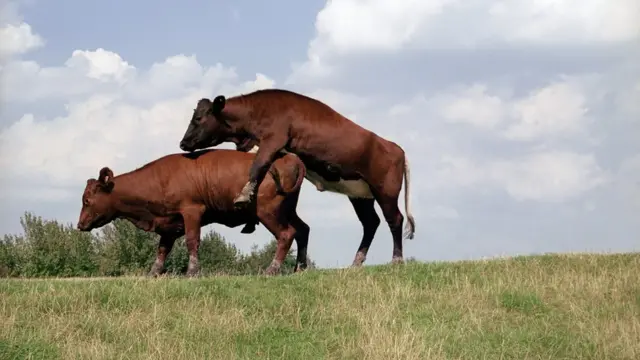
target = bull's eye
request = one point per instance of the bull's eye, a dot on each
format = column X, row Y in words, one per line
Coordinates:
column 85, row 202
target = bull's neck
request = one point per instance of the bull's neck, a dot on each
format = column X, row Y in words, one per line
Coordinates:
column 239, row 117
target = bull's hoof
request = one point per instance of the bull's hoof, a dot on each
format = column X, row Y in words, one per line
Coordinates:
column 248, row 228
column 300, row 267
column 244, row 198
column 397, row 260
column 241, row 201
column 359, row 259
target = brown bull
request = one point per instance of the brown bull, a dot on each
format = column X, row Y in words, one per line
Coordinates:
column 177, row 194
column 340, row 156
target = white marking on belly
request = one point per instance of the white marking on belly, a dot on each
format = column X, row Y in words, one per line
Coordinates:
column 351, row 188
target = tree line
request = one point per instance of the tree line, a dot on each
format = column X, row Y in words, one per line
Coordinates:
column 49, row 248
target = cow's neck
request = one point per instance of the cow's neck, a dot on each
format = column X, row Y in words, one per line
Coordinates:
column 131, row 202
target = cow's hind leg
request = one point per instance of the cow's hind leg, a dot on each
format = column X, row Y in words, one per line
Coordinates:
column 164, row 248
column 302, row 241
column 284, row 235
column 370, row 221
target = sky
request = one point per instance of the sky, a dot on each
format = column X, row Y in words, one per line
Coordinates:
column 520, row 118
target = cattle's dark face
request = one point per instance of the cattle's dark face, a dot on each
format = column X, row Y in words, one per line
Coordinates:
column 97, row 204
column 207, row 127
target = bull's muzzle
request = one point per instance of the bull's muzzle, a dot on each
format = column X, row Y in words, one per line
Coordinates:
column 185, row 146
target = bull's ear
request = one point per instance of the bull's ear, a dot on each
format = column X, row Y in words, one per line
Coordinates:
column 91, row 181
column 218, row 104
column 106, row 175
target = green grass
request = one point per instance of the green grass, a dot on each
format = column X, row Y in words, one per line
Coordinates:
column 544, row 307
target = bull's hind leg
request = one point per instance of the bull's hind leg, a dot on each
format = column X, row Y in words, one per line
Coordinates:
column 394, row 219
column 164, row 248
column 386, row 193
column 370, row 221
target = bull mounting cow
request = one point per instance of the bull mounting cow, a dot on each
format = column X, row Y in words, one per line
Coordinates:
column 340, row 156
column 177, row 194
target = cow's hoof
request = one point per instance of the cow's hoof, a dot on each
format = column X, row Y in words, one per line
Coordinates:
column 192, row 273
column 156, row 270
column 397, row 260
column 272, row 270
column 193, row 269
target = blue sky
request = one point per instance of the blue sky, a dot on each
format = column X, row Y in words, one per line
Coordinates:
column 520, row 119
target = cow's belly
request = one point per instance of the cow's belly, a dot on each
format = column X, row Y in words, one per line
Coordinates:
column 351, row 188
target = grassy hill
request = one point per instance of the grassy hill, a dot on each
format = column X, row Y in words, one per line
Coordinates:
column 544, row 307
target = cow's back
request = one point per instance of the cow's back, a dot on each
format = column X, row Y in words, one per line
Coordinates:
column 210, row 177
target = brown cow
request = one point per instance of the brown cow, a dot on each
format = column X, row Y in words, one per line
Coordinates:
column 179, row 193
column 340, row 156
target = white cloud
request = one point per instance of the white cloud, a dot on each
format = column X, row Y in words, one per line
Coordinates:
column 17, row 40
column 101, row 65
column 104, row 127
column 472, row 105
column 557, row 109
column 547, row 176
column 356, row 26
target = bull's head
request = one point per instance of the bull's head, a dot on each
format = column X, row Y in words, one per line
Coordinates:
column 208, row 126
column 97, row 204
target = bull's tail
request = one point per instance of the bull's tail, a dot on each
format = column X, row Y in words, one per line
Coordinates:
column 410, row 228
column 300, row 171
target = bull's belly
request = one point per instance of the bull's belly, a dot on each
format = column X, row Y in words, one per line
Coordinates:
column 351, row 188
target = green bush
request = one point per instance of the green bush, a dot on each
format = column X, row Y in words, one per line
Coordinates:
column 49, row 248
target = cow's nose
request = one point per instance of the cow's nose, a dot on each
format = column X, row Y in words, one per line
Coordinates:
column 183, row 146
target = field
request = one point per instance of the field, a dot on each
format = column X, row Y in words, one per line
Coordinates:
column 542, row 307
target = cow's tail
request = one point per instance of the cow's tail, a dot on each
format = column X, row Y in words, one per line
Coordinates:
column 410, row 228
column 300, row 171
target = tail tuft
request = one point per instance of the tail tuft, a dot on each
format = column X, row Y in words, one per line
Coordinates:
column 410, row 228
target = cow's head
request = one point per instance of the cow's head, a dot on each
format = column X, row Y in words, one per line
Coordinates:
column 97, row 204
column 208, row 126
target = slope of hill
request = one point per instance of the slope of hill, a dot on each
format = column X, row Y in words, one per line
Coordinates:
column 541, row 307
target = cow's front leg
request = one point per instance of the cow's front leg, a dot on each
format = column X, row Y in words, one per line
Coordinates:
column 263, row 161
column 192, row 223
column 164, row 248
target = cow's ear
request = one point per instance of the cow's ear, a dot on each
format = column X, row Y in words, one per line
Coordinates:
column 105, row 179
column 218, row 104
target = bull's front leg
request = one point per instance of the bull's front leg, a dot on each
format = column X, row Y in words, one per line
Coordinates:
column 265, row 156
